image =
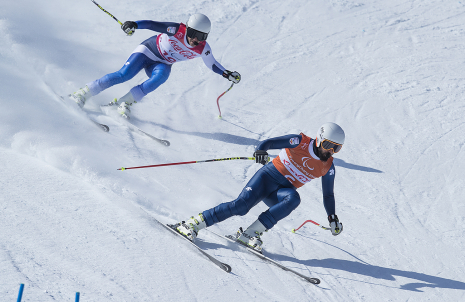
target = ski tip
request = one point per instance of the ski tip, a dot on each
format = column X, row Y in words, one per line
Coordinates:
column 293, row 231
column 166, row 143
column 226, row 267
column 122, row 169
column 314, row 280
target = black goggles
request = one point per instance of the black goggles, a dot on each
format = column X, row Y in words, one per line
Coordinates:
column 192, row 33
column 328, row 145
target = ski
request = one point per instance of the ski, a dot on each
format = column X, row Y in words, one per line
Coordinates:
column 133, row 128
column 265, row 258
column 102, row 127
column 161, row 141
column 225, row 267
column 68, row 104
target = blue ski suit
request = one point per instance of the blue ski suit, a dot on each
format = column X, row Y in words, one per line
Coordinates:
column 151, row 56
column 271, row 187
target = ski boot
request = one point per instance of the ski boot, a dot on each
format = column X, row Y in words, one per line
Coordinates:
column 126, row 101
column 81, row 96
column 124, row 110
column 191, row 227
column 251, row 237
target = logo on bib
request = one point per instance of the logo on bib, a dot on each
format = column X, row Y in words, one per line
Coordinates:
column 305, row 161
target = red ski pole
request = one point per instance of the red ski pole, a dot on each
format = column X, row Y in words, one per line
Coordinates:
column 218, row 99
column 189, row 162
column 315, row 223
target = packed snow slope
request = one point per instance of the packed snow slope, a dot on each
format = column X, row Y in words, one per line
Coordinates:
column 391, row 73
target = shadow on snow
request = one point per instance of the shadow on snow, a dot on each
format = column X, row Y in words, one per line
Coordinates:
column 245, row 141
column 374, row 271
column 222, row 137
column 340, row 163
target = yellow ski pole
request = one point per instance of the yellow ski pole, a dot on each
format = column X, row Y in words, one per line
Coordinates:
column 129, row 33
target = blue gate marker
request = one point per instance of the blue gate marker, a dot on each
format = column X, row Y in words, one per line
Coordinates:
column 20, row 295
column 77, row 297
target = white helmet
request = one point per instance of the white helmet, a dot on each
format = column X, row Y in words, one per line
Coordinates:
column 332, row 135
column 198, row 26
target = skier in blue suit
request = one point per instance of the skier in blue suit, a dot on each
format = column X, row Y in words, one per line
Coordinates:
column 301, row 160
column 177, row 42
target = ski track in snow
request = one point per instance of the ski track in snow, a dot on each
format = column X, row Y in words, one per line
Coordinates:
column 390, row 73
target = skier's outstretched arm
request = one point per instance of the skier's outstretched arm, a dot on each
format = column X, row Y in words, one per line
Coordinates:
column 216, row 67
column 211, row 62
column 281, row 142
column 169, row 28
column 327, row 182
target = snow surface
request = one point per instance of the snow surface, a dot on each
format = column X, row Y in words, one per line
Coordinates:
column 391, row 73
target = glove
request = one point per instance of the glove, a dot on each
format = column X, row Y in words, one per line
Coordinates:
column 261, row 157
column 232, row 76
column 336, row 226
column 129, row 27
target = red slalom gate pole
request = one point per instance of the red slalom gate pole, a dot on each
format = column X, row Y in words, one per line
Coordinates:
column 189, row 162
column 315, row 223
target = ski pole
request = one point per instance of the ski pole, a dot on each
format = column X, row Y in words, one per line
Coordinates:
column 107, row 12
column 20, row 294
column 218, row 99
column 130, row 33
column 323, row 227
column 189, row 162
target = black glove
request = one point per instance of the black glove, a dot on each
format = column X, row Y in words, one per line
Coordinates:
column 129, row 27
column 336, row 226
column 261, row 157
column 232, row 76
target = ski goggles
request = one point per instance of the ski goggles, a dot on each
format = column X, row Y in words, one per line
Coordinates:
column 328, row 145
column 192, row 33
